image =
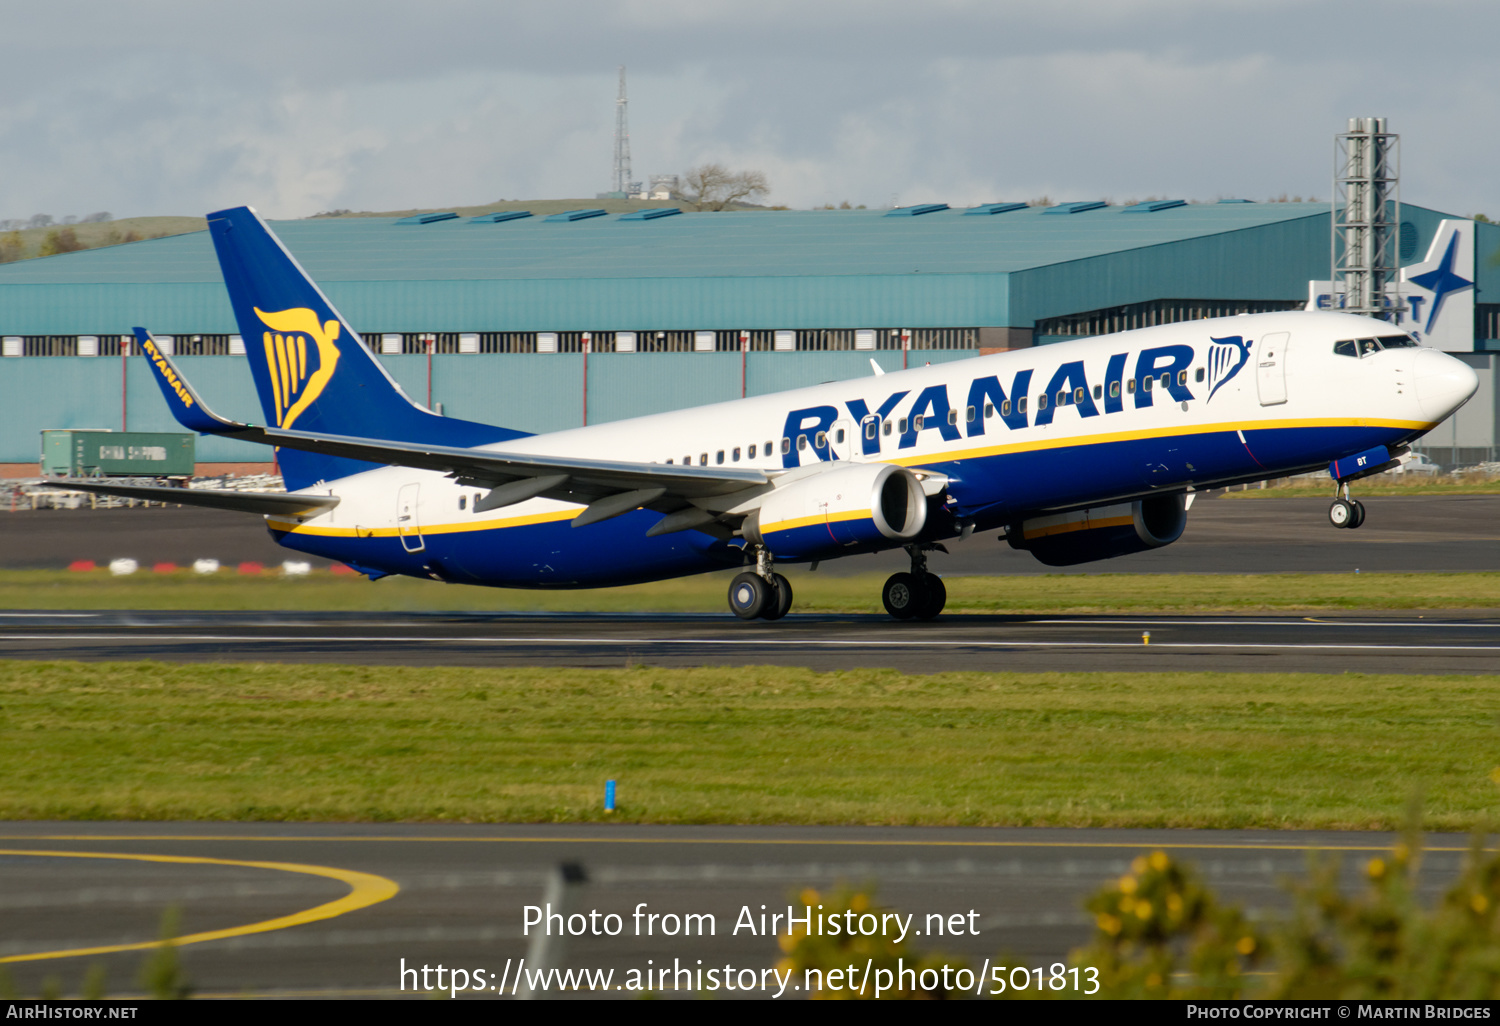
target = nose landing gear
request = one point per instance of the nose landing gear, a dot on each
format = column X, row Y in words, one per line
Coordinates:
column 1346, row 512
column 918, row 595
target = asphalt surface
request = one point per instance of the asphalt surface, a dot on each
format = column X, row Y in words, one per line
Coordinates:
column 1017, row 894
column 1406, row 642
column 1404, row 534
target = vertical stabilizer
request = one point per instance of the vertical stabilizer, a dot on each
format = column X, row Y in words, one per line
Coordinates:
column 312, row 370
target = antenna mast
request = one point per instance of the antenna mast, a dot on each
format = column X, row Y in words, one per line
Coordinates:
column 622, row 140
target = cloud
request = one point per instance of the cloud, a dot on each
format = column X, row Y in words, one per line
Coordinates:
column 165, row 106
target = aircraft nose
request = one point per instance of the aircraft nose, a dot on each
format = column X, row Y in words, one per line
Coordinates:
column 1443, row 383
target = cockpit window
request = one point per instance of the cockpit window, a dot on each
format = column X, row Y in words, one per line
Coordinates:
column 1370, row 346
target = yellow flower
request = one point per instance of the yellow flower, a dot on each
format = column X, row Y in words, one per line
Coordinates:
column 1479, row 903
column 1143, row 910
column 1174, row 902
column 1375, row 869
column 1139, row 865
column 1246, row 945
column 1159, row 861
column 1127, row 884
column 1109, row 924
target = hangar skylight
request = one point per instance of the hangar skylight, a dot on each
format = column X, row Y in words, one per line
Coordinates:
column 995, row 208
column 428, row 218
column 922, row 208
column 650, row 215
column 1152, row 206
column 1074, row 208
column 578, row 215
column 500, row 215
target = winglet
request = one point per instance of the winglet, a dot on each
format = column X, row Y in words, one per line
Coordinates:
column 189, row 410
column 876, row 368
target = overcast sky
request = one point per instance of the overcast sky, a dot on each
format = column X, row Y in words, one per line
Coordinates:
column 296, row 106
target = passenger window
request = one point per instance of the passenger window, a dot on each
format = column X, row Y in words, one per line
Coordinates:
column 989, row 410
column 463, row 502
column 901, row 425
column 1079, row 395
column 703, row 459
column 1166, row 379
column 1098, row 391
column 1021, row 405
column 1345, row 347
column 839, row 436
column 953, row 416
column 1130, row 385
column 1114, row 390
column 801, row 443
column 669, row 463
column 1198, row 375
column 1146, row 384
column 1062, row 398
column 1005, row 408
column 786, row 446
column 888, row 427
column 1182, row 377
column 870, row 429
column 918, row 422
column 969, row 415
column 752, row 452
column 687, row 461
column 736, row 456
column 822, row 440
column 1041, row 401
column 719, row 457
column 476, row 502
column 767, row 450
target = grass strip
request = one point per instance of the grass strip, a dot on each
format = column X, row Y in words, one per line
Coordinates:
column 815, row 593
column 744, row 745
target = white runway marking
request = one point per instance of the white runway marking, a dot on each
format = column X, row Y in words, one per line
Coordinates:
column 747, row 642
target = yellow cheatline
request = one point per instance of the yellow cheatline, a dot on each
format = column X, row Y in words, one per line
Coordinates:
column 365, row 889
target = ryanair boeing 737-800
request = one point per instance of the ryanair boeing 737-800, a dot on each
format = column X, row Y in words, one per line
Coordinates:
column 1078, row 451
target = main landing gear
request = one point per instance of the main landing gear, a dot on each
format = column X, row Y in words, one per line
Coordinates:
column 918, row 595
column 762, row 593
column 1346, row 512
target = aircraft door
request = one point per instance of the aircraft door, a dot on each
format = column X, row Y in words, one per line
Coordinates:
column 841, row 440
column 408, row 527
column 1270, row 368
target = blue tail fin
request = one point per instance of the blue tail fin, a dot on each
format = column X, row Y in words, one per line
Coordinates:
column 312, row 370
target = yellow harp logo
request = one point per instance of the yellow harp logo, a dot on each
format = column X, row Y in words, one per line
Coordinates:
column 292, row 386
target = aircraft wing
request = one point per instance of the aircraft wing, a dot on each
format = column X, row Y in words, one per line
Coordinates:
column 271, row 503
column 510, row 476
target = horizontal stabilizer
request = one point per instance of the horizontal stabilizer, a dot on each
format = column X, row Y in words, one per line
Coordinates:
column 266, row 503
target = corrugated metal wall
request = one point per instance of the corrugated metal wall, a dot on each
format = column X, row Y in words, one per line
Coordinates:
column 529, row 391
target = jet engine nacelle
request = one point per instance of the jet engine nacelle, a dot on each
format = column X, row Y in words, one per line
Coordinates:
column 1102, row 532
column 829, row 513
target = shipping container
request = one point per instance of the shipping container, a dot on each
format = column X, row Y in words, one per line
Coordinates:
column 102, row 453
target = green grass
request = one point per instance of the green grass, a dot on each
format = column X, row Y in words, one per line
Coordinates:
column 744, row 745
column 1380, row 485
column 815, row 592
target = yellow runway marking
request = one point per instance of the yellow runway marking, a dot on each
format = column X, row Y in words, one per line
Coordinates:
column 1130, row 845
column 365, row 889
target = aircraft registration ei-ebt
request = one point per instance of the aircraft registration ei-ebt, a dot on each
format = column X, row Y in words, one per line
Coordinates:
column 1078, row 451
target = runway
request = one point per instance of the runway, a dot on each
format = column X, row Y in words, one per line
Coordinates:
column 1408, row 642
column 1402, row 534
column 455, row 894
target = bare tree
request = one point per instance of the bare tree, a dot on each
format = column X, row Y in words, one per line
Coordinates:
column 714, row 186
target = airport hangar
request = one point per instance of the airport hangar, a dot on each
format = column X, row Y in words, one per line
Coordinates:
column 543, row 323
